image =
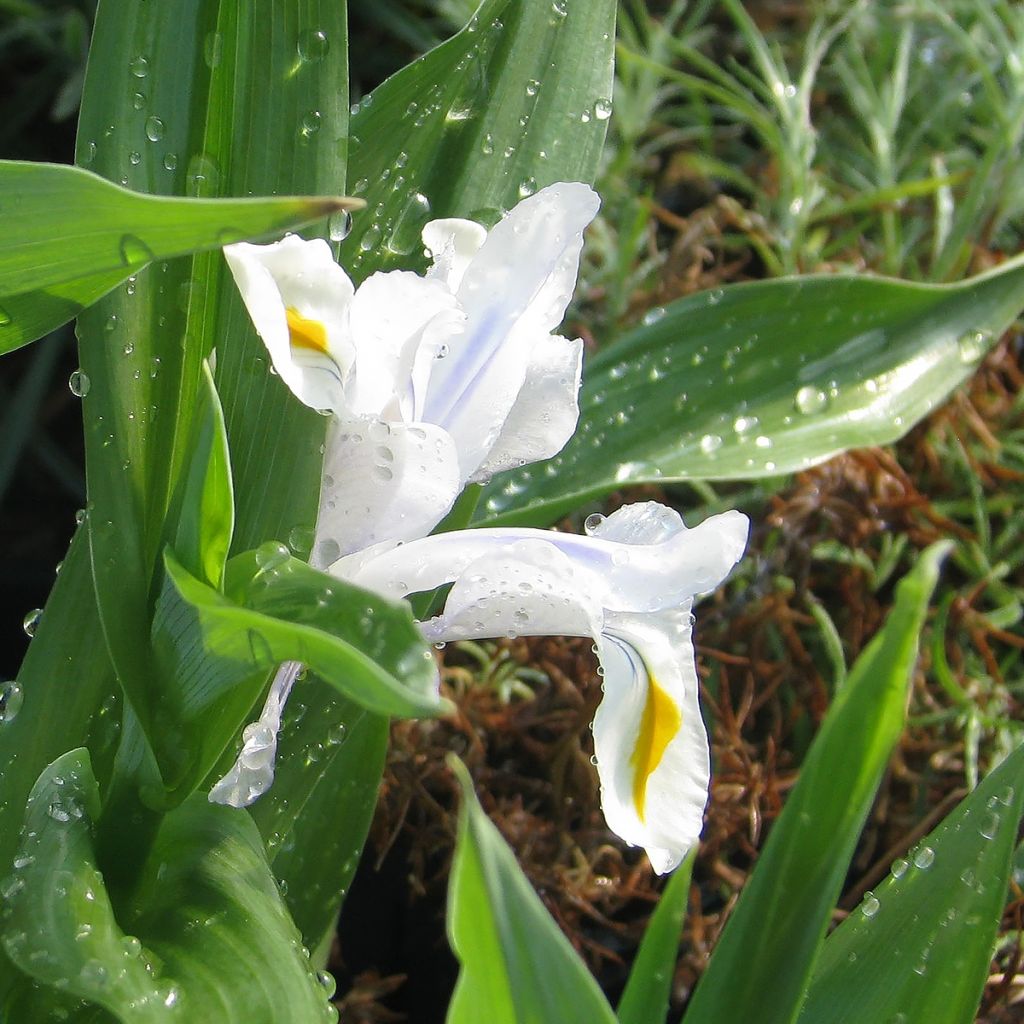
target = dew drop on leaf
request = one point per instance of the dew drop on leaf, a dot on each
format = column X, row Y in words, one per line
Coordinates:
column 78, row 383
column 810, row 399
column 924, row 858
column 154, row 128
column 11, row 699
column 313, row 46
column 31, row 621
column 139, row 66
column 134, row 252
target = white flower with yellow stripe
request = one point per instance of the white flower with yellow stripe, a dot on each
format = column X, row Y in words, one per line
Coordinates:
column 630, row 585
column 434, row 381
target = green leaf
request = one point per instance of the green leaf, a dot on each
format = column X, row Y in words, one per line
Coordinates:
column 330, row 757
column 516, row 965
column 208, row 925
column 645, row 1000
column 515, row 101
column 214, row 652
column 760, row 379
column 763, row 961
column 919, row 949
column 68, row 699
column 202, row 516
column 70, row 236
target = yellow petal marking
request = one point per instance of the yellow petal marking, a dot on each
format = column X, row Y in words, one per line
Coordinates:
column 659, row 723
column 304, row 333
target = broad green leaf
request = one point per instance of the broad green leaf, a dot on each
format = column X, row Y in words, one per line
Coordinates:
column 70, row 236
column 66, row 698
column 760, row 379
column 516, row 965
column 518, row 99
column 330, row 756
column 201, row 518
column 213, row 653
column 763, row 961
column 207, row 937
column 918, row 949
column 645, row 1000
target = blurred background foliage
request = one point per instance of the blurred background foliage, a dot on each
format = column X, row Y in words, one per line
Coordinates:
column 748, row 141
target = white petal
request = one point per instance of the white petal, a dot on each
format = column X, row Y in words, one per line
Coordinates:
column 382, row 483
column 625, row 576
column 300, row 276
column 516, row 287
column 527, row 588
column 452, row 243
column 253, row 771
column 399, row 321
column 545, row 412
column 651, row 746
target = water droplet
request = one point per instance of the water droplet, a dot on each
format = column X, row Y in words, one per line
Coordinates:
column 602, row 109
column 383, row 473
column 809, row 400
column 139, row 66
column 744, row 424
column 272, row 555
column 527, row 187
column 134, row 251
column 203, row 175
column 88, row 154
column 213, row 49
column 710, row 443
column 171, row 161
column 560, row 8
column 870, row 905
column 78, row 382
column 80, row 516
column 973, row 345
column 339, row 224
column 300, row 539
column 310, row 124
column 924, row 858
column 313, row 46
column 336, row 734
column 31, row 621
column 154, row 128
column 135, row 158
column 652, row 316
column 532, row 86
column 899, row 867
column 593, row 522
column 11, row 699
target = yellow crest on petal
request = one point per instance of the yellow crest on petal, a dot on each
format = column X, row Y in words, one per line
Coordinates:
column 659, row 723
column 304, row 333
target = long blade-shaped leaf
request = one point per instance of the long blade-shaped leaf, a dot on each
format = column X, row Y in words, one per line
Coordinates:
column 918, row 950
column 645, row 1000
column 70, row 236
column 208, row 926
column 517, row 967
column 759, row 379
column 762, row 963
column 518, row 99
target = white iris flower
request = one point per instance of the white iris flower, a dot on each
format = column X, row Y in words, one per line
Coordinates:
column 630, row 585
column 432, row 382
